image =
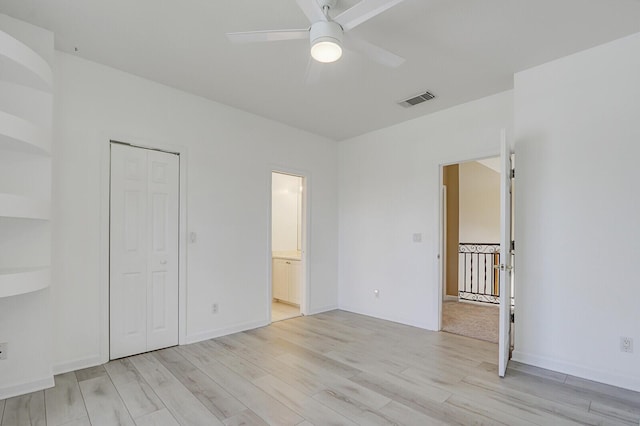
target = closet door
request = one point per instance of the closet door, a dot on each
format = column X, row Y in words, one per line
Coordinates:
column 143, row 250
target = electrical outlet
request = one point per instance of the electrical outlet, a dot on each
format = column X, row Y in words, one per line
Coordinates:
column 626, row 344
column 4, row 347
column 214, row 308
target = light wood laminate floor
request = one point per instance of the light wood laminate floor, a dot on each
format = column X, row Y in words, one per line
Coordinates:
column 335, row 368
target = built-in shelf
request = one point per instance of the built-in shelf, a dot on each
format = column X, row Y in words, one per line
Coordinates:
column 18, row 134
column 17, row 206
column 23, row 72
column 21, row 65
column 17, row 281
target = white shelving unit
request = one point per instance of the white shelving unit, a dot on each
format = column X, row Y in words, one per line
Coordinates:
column 20, row 207
column 17, row 134
column 14, row 281
column 24, row 70
column 21, row 65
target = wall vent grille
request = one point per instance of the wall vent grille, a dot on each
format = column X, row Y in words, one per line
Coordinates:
column 423, row 97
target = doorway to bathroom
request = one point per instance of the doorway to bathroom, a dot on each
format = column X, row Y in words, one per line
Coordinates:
column 287, row 277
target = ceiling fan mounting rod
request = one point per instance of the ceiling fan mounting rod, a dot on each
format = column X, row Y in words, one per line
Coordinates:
column 326, row 5
column 325, row 10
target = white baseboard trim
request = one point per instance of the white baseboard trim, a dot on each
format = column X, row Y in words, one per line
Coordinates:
column 24, row 388
column 625, row 381
column 313, row 311
column 212, row 334
column 77, row 364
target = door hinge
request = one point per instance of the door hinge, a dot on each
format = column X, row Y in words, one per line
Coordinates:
column 513, row 317
column 513, row 245
column 513, row 173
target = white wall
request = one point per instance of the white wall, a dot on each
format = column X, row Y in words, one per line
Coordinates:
column 230, row 157
column 577, row 209
column 389, row 190
column 285, row 212
column 479, row 198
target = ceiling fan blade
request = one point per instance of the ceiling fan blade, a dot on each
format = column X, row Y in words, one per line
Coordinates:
column 375, row 53
column 260, row 36
column 312, row 10
column 363, row 11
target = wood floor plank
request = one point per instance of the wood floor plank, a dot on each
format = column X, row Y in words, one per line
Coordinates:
column 302, row 380
column 616, row 412
column 241, row 366
column 90, row 373
column 245, row 418
column 79, row 422
column 528, row 405
column 157, row 418
column 412, row 396
column 64, row 402
column 181, row 403
column 546, row 389
column 304, row 339
column 406, row 385
column 336, row 382
column 136, row 393
column 537, row 371
column 217, row 400
column 352, row 409
column 317, row 359
column 604, row 389
column 309, row 408
column 366, row 361
column 478, row 413
column 264, row 405
column 104, row 405
column 402, row 415
column 25, row 410
column 259, row 339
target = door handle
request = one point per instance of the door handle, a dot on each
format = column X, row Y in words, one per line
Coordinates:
column 503, row 267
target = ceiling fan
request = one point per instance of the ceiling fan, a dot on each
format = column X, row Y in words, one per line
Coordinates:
column 327, row 34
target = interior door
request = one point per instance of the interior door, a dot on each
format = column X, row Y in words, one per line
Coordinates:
column 143, row 288
column 504, row 342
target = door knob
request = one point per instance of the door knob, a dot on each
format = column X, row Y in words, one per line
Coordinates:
column 503, row 267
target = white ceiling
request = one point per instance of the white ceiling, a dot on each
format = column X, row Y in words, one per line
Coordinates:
column 459, row 50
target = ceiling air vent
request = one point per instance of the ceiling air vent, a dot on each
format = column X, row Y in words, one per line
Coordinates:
column 426, row 96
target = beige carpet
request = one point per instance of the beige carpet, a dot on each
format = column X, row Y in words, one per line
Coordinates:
column 471, row 320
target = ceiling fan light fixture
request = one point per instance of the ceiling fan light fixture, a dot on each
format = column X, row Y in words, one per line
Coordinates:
column 326, row 41
column 326, row 51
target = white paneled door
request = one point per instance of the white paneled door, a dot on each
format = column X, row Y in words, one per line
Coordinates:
column 143, row 292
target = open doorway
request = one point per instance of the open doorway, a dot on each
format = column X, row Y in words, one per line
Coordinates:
column 286, row 245
column 471, row 234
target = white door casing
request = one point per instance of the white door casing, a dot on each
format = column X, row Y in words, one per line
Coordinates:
column 504, row 338
column 143, row 250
